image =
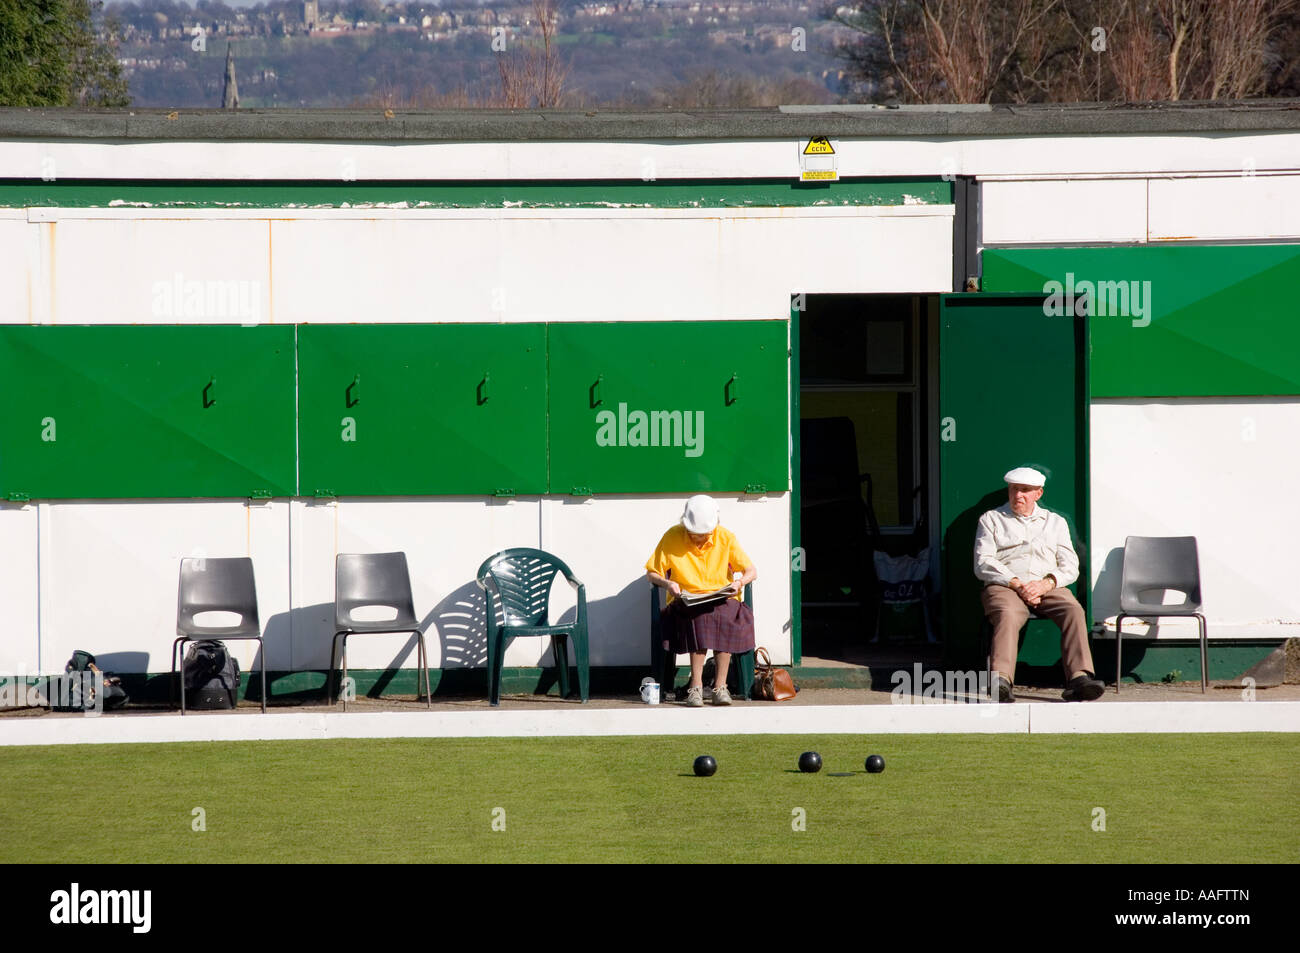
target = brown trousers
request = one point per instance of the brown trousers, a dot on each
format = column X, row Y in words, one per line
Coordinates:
column 1008, row 613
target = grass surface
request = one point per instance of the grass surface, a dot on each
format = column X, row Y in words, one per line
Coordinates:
column 944, row 798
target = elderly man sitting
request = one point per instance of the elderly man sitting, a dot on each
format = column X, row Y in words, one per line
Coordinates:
column 1025, row 559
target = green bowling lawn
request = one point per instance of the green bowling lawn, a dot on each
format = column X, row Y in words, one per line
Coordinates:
column 945, row 798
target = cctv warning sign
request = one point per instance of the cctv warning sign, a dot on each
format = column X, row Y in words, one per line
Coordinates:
column 817, row 160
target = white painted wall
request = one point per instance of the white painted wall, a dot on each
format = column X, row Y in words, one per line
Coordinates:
column 112, row 266
column 1222, row 470
column 19, row 589
column 1089, row 210
column 593, row 160
column 108, row 574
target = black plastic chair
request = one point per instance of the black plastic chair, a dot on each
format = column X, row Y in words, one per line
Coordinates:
column 663, row 663
column 373, row 579
column 836, row 524
column 216, row 585
column 1159, row 563
column 519, row 581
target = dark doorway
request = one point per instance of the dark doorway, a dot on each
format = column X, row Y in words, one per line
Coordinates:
column 862, row 459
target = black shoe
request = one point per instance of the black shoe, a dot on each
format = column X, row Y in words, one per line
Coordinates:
column 1083, row 688
column 1005, row 695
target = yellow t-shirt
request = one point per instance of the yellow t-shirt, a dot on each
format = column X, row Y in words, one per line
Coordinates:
column 704, row 568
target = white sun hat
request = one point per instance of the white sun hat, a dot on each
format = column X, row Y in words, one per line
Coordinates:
column 1025, row 476
column 701, row 514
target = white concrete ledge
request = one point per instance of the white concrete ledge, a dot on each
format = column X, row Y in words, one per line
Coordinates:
column 1165, row 717
column 1118, row 717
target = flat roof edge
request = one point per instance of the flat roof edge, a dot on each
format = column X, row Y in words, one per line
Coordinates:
column 490, row 125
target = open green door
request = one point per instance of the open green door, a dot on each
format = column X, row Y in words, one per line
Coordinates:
column 1013, row 391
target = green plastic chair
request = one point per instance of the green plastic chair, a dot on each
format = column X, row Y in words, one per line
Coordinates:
column 517, row 583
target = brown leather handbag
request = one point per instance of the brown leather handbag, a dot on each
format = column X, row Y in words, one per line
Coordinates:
column 773, row 684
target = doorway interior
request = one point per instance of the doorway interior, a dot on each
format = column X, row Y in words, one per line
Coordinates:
column 864, row 384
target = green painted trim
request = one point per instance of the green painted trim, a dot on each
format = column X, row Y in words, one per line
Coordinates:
column 796, row 494
column 677, row 193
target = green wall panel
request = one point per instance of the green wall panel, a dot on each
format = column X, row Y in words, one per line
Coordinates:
column 422, row 409
column 1012, row 392
column 1214, row 320
column 128, row 412
column 613, row 385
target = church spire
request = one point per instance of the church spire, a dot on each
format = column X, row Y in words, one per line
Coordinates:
column 230, row 95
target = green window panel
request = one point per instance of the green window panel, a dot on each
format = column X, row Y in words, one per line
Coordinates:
column 1174, row 321
column 659, row 407
column 1012, row 392
column 137, row 412
column 422, row 409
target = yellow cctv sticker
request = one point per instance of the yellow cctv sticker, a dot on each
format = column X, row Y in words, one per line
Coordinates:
column 818, row 160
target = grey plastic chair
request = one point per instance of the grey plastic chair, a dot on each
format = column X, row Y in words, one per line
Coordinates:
column 1158, row 563
column 216, row 585
column 373, row 579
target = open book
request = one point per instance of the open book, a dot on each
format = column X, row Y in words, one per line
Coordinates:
column 700, row 598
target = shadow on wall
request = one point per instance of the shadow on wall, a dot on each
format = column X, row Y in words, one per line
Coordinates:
column 964, row 613
column 618, row 627
column 117, row 662
column 458, row 621
column 1105, row 592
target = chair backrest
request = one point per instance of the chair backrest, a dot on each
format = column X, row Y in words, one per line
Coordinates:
column 372, row 579
column 225, row 585
column 1159, row 562
column 522, row 581
column 828, row 447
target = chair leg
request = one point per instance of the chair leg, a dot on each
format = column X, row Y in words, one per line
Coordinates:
column 496, row 651
column 1119, row 651
column 182, row 684
column 262, row 645
column 424, row 664
column 330, row 697
column 744, row 663
column 560, row 655
column 581, row 653
column 171, row 684
column 1205, row 655
column 343, row 678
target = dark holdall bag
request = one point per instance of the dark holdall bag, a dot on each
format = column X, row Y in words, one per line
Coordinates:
column 211, row 676
column 78, row 687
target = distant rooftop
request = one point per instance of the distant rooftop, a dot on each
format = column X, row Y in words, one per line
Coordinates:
column 503, row 125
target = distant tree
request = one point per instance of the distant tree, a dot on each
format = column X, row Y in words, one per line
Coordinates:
column 51, row 54
column 711, row 89
column 535, row 75
column 1018, row 51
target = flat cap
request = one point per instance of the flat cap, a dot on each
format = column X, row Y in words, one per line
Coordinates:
column 1025, row 476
